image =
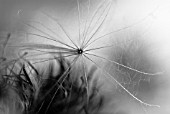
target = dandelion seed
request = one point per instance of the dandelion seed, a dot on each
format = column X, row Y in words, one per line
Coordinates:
column 40, row 53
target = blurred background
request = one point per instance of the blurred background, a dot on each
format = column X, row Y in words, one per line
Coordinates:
column 151, row 25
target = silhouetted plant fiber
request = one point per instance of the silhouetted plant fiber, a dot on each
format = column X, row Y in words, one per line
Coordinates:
column 70, row 96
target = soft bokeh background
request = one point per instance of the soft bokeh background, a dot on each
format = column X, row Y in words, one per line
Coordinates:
column 151, row 19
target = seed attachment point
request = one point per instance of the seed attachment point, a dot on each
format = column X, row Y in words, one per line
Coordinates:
column 79, row 51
